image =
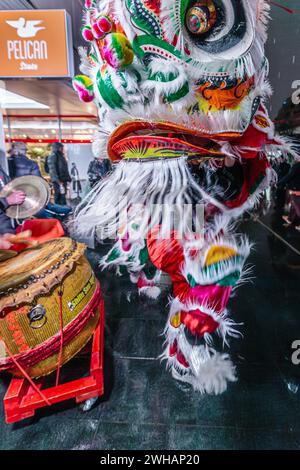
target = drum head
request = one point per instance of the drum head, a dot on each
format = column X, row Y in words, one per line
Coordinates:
column 37, row 193
column 7, row 254
column 33, row 263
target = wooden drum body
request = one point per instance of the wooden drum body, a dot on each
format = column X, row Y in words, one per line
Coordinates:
column 49, row 301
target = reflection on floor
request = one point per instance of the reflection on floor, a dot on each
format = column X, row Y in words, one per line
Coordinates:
column 144, row 408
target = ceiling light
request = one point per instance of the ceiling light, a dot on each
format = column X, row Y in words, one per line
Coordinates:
column 68, row 126
column 9, row 100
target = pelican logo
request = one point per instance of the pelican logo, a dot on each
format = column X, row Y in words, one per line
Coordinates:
column 26, row 29
column 27, row 49
column 35, row 43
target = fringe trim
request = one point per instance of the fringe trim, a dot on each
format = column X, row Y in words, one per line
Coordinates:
column 229, row 214
column 148, row 187
column 227, row 327
column 209, row 371
column 208, row 123
column 284, row 147
column 207, row 276
column 152, row 187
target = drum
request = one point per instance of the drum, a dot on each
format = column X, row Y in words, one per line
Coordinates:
column 49, row 300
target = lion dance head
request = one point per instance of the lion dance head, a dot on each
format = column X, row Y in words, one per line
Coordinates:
column 181, row 87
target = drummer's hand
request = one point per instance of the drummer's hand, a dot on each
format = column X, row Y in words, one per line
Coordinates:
column 16, row 198
column 4, row 243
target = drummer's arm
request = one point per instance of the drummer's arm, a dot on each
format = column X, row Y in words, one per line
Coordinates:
column 4, row 242
column 52, row 162
column 14, row 199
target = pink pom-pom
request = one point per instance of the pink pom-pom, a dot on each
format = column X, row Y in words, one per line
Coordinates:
column 84, row 87
column 102, row 26
column 89, row 3
column 98, row 33
column 85, row 96
column 87, row 33
column 105, row 24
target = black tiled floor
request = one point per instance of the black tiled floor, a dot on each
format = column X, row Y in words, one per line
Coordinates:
column 144, row 408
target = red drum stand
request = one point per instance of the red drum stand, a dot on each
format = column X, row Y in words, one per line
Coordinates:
column 22, row 399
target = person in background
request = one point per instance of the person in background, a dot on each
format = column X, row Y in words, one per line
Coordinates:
column 19, row 164
column 59, row 173
column 98, row 169
column 292, row 182
column 76, row 179
column 16, row 198
column 292, row 179
column 279, row 193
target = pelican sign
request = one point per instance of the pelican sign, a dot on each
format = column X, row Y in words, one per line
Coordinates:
column 35, row 43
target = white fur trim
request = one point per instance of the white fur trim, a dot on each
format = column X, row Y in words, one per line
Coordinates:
column 153, row 292
column 226, row 329
column 195, row 267
column 169, row 184
column 209, row 371
column 208, row 123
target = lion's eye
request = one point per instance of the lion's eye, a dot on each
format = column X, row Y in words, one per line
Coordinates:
column 201, row 17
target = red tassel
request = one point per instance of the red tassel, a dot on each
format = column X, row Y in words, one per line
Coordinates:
column 24, row 373
column 60, row 294
column 288, row 10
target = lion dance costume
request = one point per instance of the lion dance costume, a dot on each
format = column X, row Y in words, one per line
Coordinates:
column 181, row 89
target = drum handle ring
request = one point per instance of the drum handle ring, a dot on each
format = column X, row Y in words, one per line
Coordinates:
column 31, row 324
column 36, row 314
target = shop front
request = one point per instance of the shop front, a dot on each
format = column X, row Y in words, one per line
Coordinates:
column 38, row 58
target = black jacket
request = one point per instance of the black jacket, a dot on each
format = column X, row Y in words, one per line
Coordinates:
column 58, row 168
column 22, row 166
column 292, row 179
column 5, row 222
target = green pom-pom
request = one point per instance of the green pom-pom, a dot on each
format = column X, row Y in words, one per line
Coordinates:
column 117, row 51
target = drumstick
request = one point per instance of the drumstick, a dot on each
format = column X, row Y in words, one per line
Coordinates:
column 28, row 242
column 22, row 238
